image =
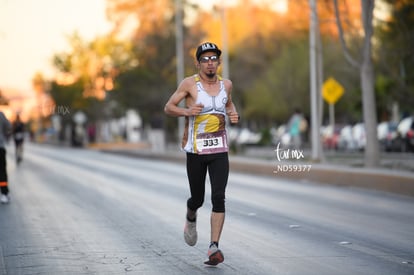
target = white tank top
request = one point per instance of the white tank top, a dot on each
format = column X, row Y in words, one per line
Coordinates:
column 206, row 133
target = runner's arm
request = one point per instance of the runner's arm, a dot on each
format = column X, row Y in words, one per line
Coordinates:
column 172, row 107
column 230, row 107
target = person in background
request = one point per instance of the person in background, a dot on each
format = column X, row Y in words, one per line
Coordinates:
column 294, row 128
column 208, row 103
column 18, row 137
column 5, row 131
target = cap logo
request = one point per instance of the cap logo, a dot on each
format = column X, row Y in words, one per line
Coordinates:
column 208, row 46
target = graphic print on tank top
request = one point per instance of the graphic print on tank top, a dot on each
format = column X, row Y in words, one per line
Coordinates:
column 206, row 133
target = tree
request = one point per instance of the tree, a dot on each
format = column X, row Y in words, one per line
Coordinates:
column 275, row 96
column 365, row 67
column 148, row 85
column 86, row 73
column 94, row 63
column 394, row 55
column 267, row 56
column 145, row 17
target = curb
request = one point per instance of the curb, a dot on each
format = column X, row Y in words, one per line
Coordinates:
column 397, row 182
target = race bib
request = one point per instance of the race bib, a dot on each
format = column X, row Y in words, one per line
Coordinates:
column 211, row 143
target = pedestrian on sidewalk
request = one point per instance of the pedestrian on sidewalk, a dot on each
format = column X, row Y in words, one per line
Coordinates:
column 208, row 102
column 18, row 136
column 5, row 131
column 296, row 127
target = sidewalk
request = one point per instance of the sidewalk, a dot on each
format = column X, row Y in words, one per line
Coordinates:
column 382, row 179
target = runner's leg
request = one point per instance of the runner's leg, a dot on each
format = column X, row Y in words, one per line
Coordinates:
column 196, row 173
column 218, row 172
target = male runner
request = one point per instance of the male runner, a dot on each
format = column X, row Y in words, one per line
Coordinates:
column 207, row 103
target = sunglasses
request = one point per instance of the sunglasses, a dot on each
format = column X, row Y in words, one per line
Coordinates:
column 205, row 59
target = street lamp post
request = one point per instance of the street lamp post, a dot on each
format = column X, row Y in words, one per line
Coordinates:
column 39, row 87
column 225, row 56
column 179, row 52
column 314, row 89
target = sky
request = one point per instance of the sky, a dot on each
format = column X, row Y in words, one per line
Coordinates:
column 32, row 31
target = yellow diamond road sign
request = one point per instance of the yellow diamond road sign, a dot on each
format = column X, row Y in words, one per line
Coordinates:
column 332, row 90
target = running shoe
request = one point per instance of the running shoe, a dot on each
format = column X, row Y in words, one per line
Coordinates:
column 4, row 198
column 190, row 232
column 215, row 256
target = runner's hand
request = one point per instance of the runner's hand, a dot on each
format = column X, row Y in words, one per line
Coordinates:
column 196, row 109
column 234, row 117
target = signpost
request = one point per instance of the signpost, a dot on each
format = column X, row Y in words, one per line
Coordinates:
column 332, row 91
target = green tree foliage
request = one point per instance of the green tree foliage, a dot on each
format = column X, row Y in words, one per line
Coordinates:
column 395, row 56
column 274, row 80
column 86, row 72
column 277, row 92
column 147, row 86
column 68, row 95
column 70, row 98
column 269, row 63
column 348, row 109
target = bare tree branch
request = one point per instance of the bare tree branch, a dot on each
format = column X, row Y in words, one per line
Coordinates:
column 347, row 54
column 368, row 5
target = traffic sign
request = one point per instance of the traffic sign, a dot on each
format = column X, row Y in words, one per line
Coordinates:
column 332, row 90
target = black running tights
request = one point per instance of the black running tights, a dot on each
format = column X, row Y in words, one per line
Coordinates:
column 217, row 166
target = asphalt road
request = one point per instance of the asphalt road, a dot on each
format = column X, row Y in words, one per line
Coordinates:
column 77, row 211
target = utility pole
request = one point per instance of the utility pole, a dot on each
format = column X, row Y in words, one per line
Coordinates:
column 179, row 40
column 225, row 57
column 314, row 90
column 179, row 53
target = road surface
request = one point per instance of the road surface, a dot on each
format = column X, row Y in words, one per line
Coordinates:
column 76, row 211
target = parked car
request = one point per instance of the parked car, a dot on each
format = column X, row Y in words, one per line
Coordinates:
column 346, row 141
column 243, row 136
column 387, row 134
column 330, row 136
column 405, row 135
column 359, row 137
